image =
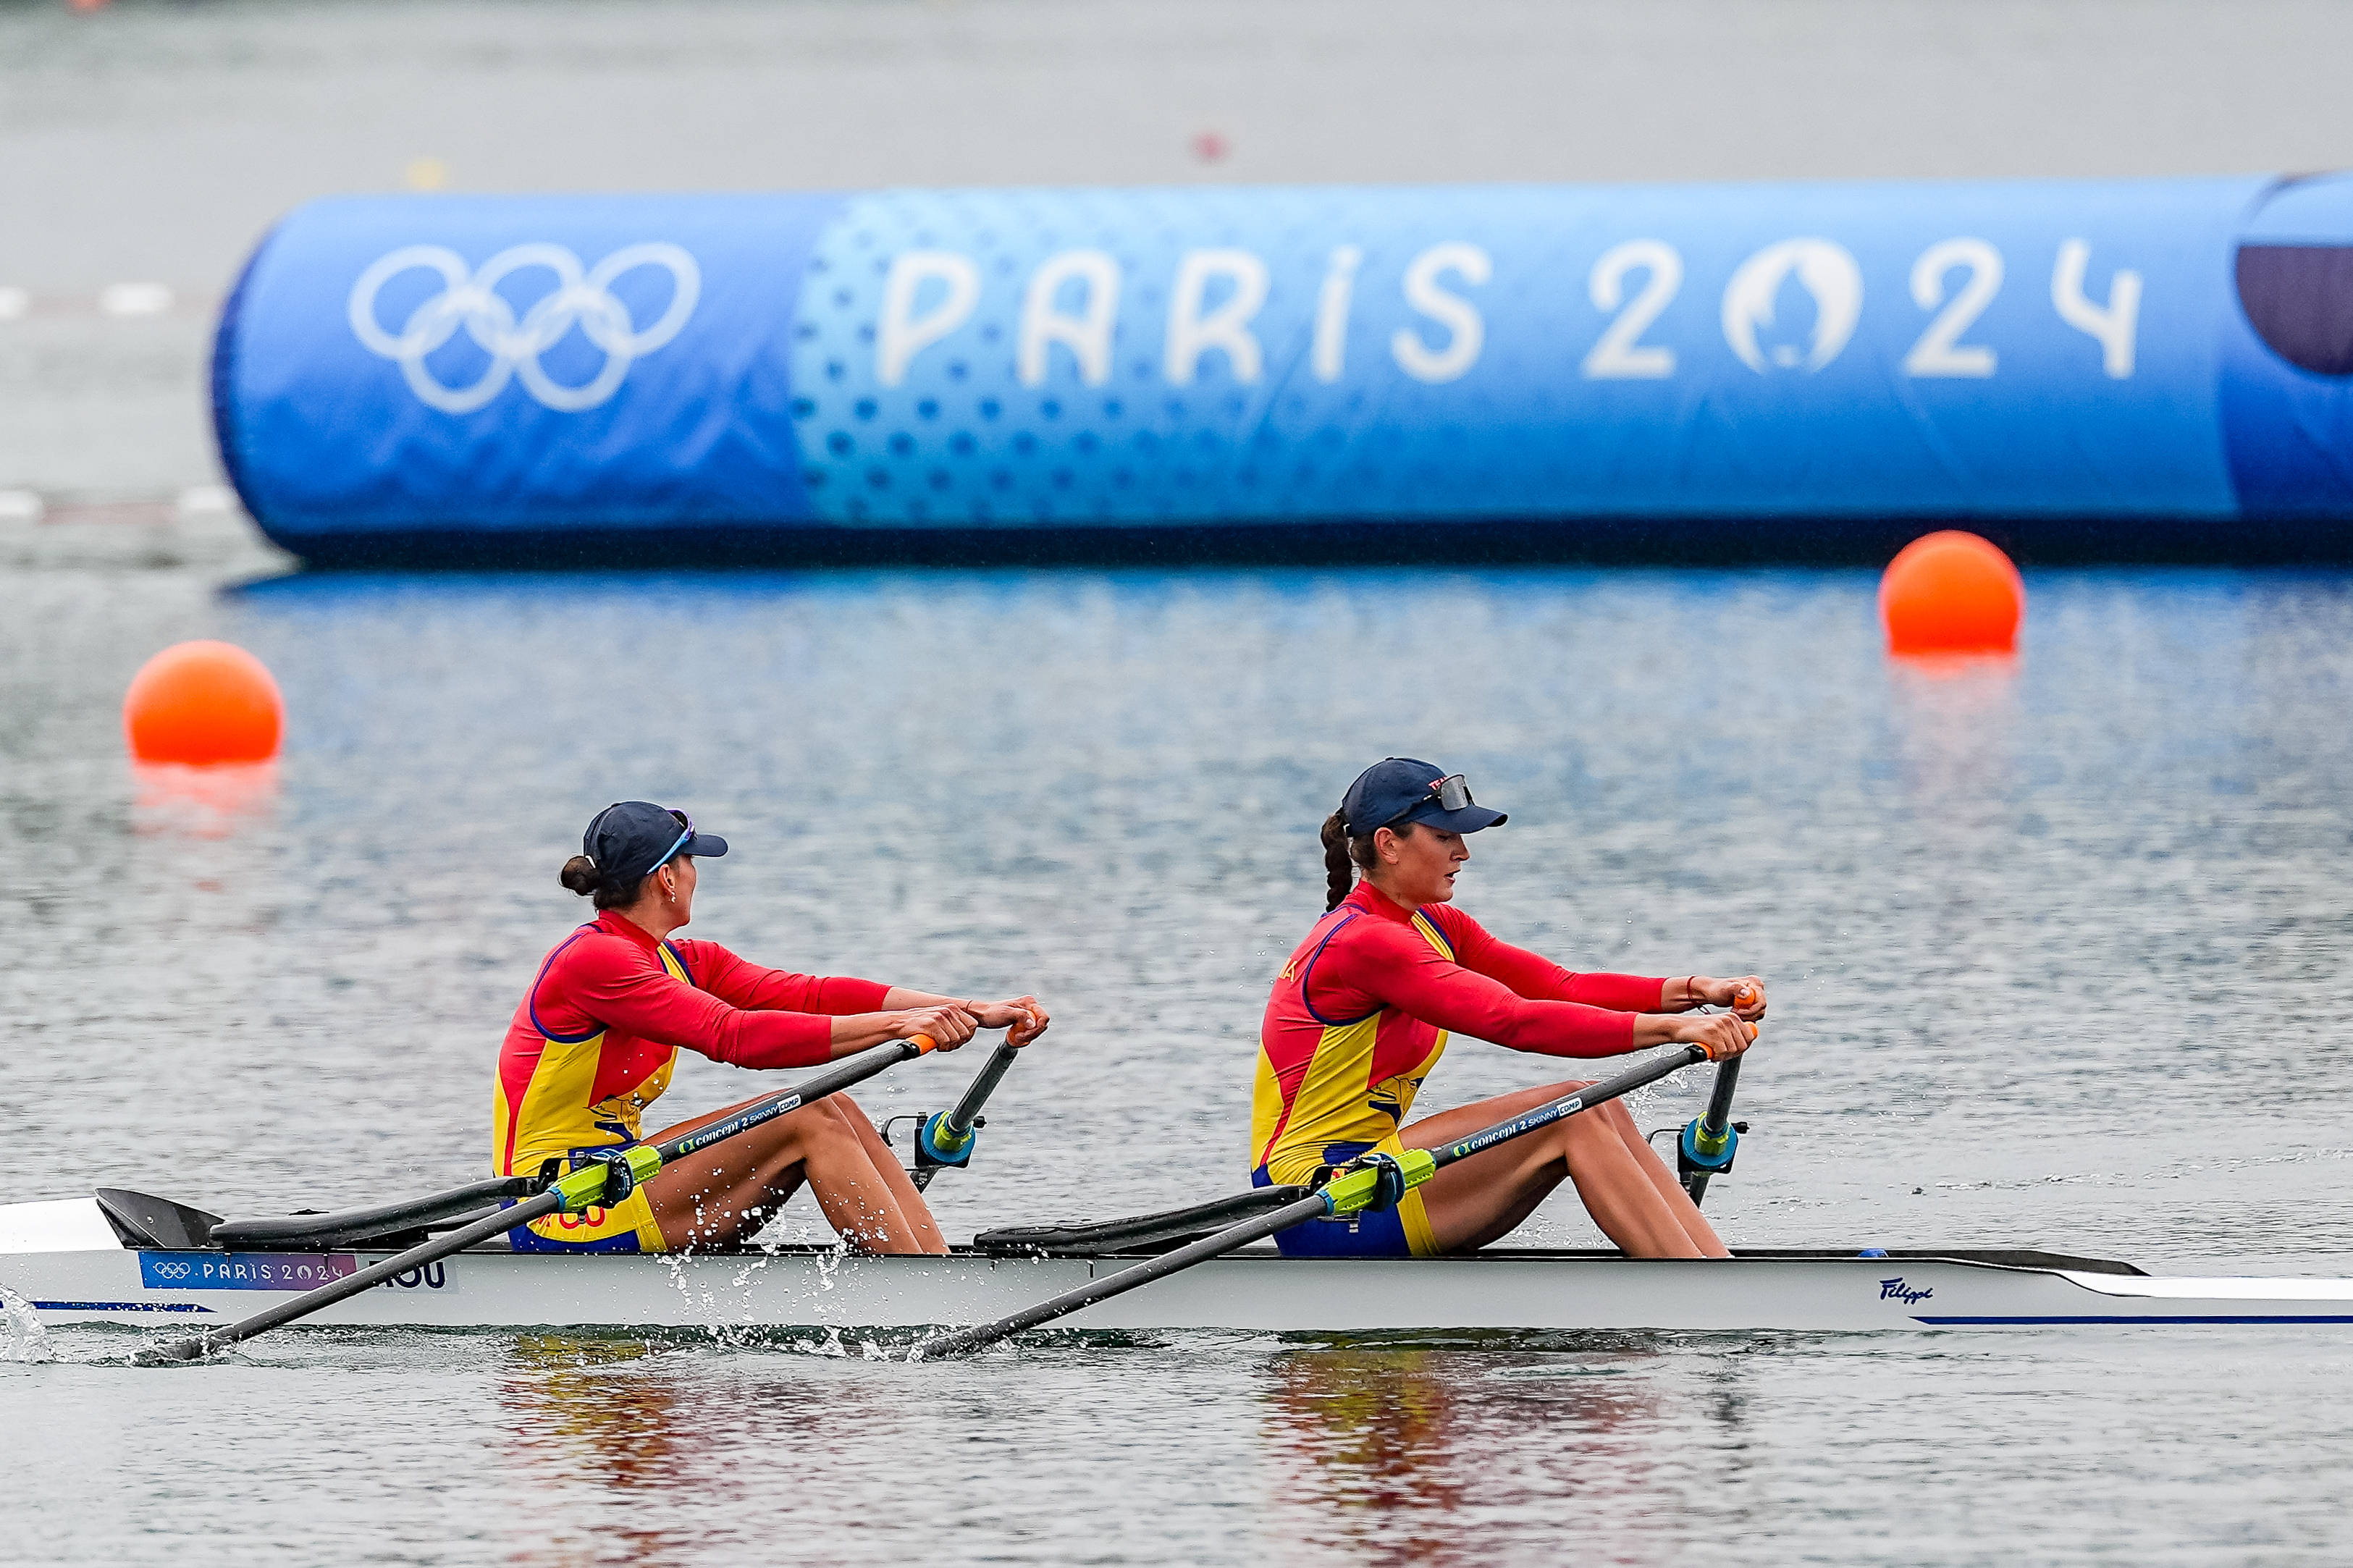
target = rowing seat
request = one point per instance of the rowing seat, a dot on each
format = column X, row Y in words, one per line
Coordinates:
column 1144, row 1233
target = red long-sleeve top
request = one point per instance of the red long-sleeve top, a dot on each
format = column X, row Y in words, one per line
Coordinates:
column 1361, row 1013
column 598, row 1036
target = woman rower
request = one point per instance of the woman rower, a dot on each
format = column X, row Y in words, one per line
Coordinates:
column 595, row 1038
column 1361, row 1013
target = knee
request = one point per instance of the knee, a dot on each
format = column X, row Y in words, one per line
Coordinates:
column 1586, row 1133
column 824, row 1123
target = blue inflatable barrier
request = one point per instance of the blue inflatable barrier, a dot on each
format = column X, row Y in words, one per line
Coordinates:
column 1784, row 367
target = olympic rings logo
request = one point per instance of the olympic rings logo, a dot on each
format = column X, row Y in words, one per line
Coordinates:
column 173, row 1270
column 471, row 301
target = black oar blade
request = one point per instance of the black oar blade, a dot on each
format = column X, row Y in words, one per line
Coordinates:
column 178, row 1352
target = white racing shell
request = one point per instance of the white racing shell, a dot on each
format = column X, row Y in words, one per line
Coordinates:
column 66, row 1261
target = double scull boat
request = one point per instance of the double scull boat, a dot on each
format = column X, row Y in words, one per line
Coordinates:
column 128, row 1259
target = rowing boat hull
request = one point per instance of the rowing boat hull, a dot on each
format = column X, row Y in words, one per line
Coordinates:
column 75, row 1271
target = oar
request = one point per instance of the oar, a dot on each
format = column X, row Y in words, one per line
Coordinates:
column 1709, row 1139
column 1371, row 1179
column 945, row 1138
column 573, row 1192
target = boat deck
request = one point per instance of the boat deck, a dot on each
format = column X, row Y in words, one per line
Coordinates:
column 70, row 1263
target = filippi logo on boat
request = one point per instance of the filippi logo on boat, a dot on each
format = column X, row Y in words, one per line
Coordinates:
column 429, row 289
column 1895, row 1290
column 243, row 1270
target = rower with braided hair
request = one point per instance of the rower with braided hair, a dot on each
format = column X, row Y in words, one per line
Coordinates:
column 1360, row 1014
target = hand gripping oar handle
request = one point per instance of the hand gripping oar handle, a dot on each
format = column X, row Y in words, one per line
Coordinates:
column 945, row 1138
column 1355, row 1188
column 588, row 1185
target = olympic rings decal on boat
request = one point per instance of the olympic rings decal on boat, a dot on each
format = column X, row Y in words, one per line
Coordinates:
column 172, row 1271
column 471, row 300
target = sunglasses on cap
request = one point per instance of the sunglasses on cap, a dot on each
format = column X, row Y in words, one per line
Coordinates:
column 1451, row 793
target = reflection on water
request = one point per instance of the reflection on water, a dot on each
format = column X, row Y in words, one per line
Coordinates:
column 666, row 1450
column 578, row 1408
column 1366, row 1428
column 1407, row 1452
column 1954, row 718
column 595, row 1427
column 173, row 801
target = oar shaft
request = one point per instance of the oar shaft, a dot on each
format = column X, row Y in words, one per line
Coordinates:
column 1718, row 1114
column 957, row 1342
column 960, row 1340
column 944, row 1141
column 1569, row 1105
column 350, row 1284
column 1713, row 1124
column 841, row 1076
column 967, row 1109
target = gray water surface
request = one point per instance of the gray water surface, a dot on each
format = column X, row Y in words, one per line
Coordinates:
column 2056, row 949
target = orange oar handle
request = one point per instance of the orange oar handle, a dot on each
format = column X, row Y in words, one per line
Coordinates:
column 924, row 1045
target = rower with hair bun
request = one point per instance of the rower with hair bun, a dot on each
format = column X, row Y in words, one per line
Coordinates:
column 1361, row 1013
column 596, row 1037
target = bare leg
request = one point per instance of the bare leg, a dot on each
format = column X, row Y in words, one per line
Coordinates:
column 721, row 1194
column 902, row 1186
column 1670, row 1187
column 1630, row 1194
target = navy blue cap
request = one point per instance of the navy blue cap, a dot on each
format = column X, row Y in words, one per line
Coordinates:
column 1396, row 790
column 634, row 838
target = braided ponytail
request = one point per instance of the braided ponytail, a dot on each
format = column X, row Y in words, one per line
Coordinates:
column 1338, row 871
column 1344, row 857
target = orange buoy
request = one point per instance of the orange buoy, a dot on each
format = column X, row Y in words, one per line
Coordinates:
column 203, row 704
column 1951, row 592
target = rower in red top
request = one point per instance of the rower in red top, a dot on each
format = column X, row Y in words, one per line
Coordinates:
column 1360, row 1016
column 595, row 1038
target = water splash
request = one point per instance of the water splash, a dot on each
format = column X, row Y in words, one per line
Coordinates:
column 28, row 1341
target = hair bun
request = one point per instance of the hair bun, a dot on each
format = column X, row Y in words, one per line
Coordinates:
column 579, row 874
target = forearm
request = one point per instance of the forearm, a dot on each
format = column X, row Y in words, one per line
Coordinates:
column 1020, row 1014
column 1657, row 1028
column 1679, row 994
column 855, row 1032
column 900, row 999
